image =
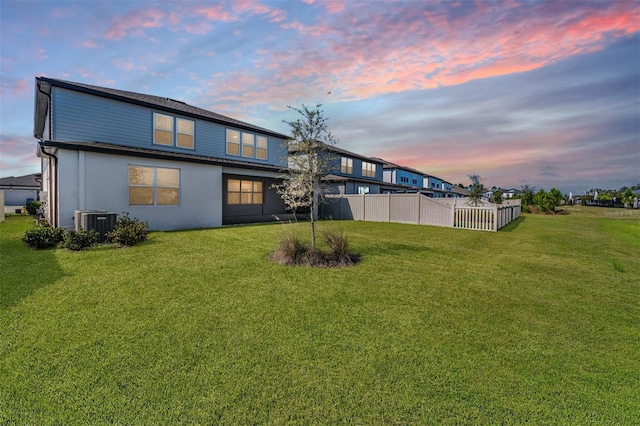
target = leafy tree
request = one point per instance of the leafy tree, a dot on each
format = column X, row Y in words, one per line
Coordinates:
column 628, row 197
column 309, row 162
column 547, row 201
column 527, row 194
column 475, row 190
column 497, row 197
column 555, row 198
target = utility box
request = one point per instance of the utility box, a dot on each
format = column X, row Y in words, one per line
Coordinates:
column 100, row 221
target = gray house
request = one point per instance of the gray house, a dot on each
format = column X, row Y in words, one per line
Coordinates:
column 19, row 190
column 175, row 165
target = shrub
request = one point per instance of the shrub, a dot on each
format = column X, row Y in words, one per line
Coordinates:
column 128, row 231
column 32, row 207
column 79, row 240
column 338, row 249
column 290, row 251
column 43, row 236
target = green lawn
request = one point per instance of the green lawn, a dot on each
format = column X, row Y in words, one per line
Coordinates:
column 537, row 323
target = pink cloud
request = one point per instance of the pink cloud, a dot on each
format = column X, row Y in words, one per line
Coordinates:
column 15, row 86
column 128, row 65
column 18, row 155
column 90, row 44
column 214, row 12
column 335, row 6
column 365, row 54
column 134, row 22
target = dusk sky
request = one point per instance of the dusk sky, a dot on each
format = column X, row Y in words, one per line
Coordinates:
column 544, row 93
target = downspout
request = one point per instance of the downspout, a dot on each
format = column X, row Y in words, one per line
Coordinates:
column 53, row 210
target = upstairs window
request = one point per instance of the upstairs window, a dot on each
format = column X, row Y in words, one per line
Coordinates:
column 185, row 133
column 368, row 169
column 261, row 151
column 248, row 144
column 163, row 131
column 346, row 165
column 233, row 142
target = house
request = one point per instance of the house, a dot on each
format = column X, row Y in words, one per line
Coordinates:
column 350, row 173
column 399, row 178
column 18, row 191
column 510, row 193
column 175, row 165
column 438, row 187
column 458, row 192
column 405, row 177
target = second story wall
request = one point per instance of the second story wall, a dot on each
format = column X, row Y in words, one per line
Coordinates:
column 403, row 177
column 356, row 168
column 432, row 182
column 87, row 118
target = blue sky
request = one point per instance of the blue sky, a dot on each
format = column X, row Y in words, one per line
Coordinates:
column 520, row 92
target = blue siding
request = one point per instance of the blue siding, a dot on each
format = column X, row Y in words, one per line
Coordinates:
column 357, row 168
column 435, row 183
column 81, row 117
column 86, row 118
column 412, row 179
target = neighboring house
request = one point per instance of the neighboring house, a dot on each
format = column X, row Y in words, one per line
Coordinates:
column 404, row 177
column 353, row 173
column 350, row 173
column 438, row 187
column 458, row 192
column 175, row 165
column 18, row 191
column 510, row 193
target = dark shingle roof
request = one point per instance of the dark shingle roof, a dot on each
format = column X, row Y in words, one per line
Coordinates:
column 108, row 148
column 158, row 102
column 27, row 181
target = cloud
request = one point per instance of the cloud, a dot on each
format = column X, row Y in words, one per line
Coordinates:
column 13, row 86
column 572, row 124
column 368, row 51
column 215, row 12
column 18, row 155
column 134, row 22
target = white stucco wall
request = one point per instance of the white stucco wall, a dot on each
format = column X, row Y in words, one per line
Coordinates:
column 94, row 181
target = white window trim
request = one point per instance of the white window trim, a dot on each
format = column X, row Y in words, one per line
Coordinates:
column 174, row 131
column 155, row 186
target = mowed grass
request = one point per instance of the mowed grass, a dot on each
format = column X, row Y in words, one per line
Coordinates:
column 538, row 323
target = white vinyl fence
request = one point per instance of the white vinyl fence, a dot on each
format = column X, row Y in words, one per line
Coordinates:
column 1, row 206
column 421, row 210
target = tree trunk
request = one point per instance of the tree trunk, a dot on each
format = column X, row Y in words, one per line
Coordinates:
column 313, row 232
column 312, row 216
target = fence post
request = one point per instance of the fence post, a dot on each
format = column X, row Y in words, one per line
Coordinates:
column 364, row 208
column 495, row 219
column 419, row 206
column 453, row 215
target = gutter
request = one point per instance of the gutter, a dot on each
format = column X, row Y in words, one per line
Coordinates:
column 53, row 191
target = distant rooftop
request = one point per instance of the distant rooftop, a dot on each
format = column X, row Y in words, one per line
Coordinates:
column 27, row 181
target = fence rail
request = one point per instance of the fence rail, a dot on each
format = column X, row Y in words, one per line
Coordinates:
column 422, row 210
